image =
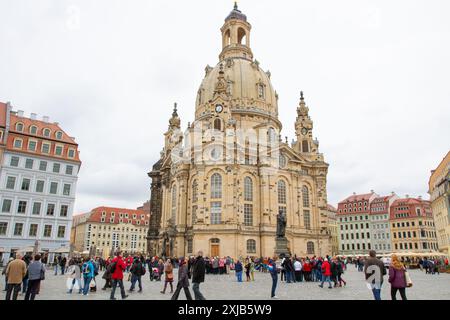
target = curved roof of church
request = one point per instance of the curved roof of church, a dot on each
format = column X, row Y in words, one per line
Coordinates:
column 236, row 14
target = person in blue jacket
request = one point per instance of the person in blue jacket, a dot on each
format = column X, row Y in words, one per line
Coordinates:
column 238, row 269
column 88, row 274
column 272, row 268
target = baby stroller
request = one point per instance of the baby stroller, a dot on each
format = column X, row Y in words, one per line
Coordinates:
column 155, row 275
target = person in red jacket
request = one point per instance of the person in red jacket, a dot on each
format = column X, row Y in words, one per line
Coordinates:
column 326, row 273
column 117, row 267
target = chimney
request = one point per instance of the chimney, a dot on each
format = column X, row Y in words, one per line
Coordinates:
column 407, row 196
column 354, row 193
column 33, row 116
column 420, row 197
column 20, row 113
column 371, row 191
column 45, row 119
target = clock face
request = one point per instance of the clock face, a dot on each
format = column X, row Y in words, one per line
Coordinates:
column 304, row 131
column 219, row 108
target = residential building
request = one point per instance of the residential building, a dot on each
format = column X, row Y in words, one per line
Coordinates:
column 439, row 190
column 412, row 226
column 38, row 177
column 104, row 229
column 354, row 224
column 380, row 233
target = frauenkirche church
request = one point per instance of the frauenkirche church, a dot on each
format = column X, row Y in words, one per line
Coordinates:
column 219, row 185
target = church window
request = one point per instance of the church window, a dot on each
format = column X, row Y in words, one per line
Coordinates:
column 248, row 189
column 305, row 194
column 281, row 192
column 261, row 91
column 242, row 36
column 194, row 214
column 216, row 186
column 190, row 246
column 307, row 219
column 310, row 247
column 282, row 161
column 248, row 214
column 227, row 38
column 251, row 246
column 216, row 212
column 271, row 135
column 305, row 146
column 174, row 203
column 218, row 124
column 195, row 191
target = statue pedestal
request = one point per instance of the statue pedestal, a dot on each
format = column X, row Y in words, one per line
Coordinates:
column 281, row 246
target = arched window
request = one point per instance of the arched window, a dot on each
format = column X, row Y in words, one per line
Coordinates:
column 227, row 38
column 19, row 126
column 305, row 194
column 216, row 186
column 242, row 36
column 59, row 135
column 310, row 247
column 283, row 161
column 305, row 146
column 33, row 129
column 194, row 191
column 218, row 124
column 271, row 135
column 248, row 189
column 281, row 192
column 251, row 246
column 261, row 91
column 174, row 203
column 46, row 132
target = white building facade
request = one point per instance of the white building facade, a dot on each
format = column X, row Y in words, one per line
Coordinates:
column 38, row 178
column 379, row 223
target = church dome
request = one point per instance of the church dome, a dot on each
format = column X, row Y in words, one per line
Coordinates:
column 248, row 86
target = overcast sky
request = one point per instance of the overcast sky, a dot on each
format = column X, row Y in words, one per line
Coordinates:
column 375, row 76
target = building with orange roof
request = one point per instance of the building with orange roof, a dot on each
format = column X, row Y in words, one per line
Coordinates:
column 412, row 226
column 354, row 223
column 38, row 176
column 439, row 190
column 103, row 230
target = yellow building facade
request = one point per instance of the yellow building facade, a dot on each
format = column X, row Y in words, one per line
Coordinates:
column 220, row 184
column 439, row 190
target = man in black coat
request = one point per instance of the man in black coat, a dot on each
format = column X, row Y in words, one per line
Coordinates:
column 198, row 275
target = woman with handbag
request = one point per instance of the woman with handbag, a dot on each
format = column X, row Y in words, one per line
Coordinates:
column 398, row 278
column 36, row 273
column 168, row 271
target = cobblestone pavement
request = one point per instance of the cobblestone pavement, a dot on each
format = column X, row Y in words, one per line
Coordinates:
column 426, row 287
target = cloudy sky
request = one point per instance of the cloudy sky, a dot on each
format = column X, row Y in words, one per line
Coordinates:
column 376, row 76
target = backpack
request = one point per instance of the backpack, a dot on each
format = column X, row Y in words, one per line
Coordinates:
column 86, row 268
column 142, row 270
column 112, row 267
column 95, row 269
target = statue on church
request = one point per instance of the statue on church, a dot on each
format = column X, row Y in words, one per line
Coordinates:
column 281, row 224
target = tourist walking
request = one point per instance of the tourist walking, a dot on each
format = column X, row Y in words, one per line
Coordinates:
column 168, row 276
column 137, row 271
column 374, row 271
column 36, row 273
column 117, row 269
column 198, row 275
column 88, row 275
column 183, row 281
column 107, row 275
column 27, row 259
column 247, row 269
column 75, row 273
column 15, row 272
column 397, row 278
column 4, row 273
column 326, row 274
column 238, row 270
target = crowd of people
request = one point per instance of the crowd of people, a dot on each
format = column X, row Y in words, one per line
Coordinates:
column 24, row 274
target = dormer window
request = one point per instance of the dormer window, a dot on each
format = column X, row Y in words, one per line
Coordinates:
column 33, row 130
column 71, row 153
column 19, row 126
column 59, row 135
column 46, row 132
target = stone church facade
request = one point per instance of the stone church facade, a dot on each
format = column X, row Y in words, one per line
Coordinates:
column 220, row 184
